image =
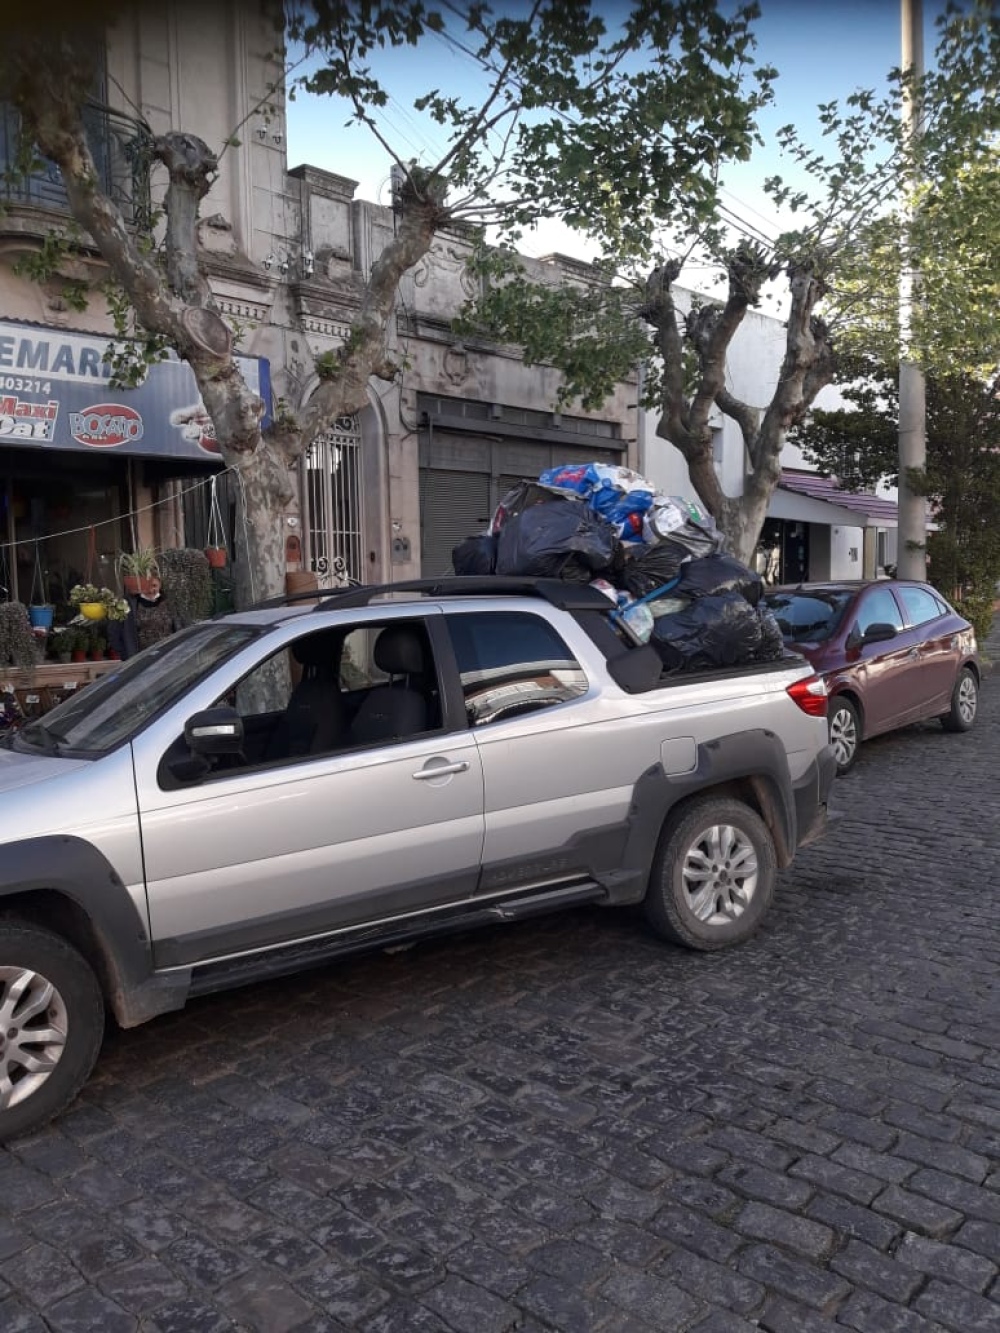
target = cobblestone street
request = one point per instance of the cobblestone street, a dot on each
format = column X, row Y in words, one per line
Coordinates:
column 568, row 1125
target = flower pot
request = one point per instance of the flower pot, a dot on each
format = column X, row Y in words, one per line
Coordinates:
column 93, row 610
column 97, row 654
column 78, row 655
column 216, row 556
column 41, row 616
column 140, row 585
column 64, row 657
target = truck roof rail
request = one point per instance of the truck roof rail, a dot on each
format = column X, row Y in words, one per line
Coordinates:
column 564, row 595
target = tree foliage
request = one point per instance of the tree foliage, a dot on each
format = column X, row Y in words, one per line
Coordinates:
column 857, row 445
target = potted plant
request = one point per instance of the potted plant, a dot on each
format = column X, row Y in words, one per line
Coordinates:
column 96, row 603
column 138, row 570
column 18, row 645
column 97, row 644
column 61, row 643
column 216, row 556
column 78, row 644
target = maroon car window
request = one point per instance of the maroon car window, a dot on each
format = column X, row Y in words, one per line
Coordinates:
column 808, row 617
column 920, row 605
column 878, row 607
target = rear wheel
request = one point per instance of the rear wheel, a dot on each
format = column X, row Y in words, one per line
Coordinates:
column 845, row 731
column 964, row 702
column 51, row 1026
column 714, row 874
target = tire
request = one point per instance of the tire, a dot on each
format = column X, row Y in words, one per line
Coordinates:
column 713, row 876
column 961, row 716
column 845, row 731
column 47, row 993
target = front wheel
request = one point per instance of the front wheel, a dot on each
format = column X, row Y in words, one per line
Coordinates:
column 845, row 731
column 964, row 702
column 714, row 875
column 51, row 1026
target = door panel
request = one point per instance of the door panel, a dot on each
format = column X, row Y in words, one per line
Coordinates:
column 251, row 859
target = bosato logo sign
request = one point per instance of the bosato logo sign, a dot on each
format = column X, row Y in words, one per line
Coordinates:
column 105, row 425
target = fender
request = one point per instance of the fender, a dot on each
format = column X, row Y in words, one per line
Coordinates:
column 65, row 883
column 757, row 757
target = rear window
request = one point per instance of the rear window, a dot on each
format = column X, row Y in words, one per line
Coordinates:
column 808, row 617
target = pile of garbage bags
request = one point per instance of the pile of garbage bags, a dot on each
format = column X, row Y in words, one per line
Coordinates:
column 658, row 558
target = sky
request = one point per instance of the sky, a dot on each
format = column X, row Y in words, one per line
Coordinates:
column 822, row 51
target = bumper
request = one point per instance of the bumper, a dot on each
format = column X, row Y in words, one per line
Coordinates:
column 811, row 796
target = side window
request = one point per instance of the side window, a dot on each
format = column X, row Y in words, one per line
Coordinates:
column 878, row 607
column 511, row 662
column 921, row 605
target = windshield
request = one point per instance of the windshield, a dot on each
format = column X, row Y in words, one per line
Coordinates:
column 808, row 617
column 114, row 708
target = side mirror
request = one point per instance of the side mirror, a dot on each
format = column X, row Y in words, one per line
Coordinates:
column 880, row 632
column 214, row 731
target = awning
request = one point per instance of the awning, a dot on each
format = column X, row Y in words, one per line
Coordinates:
column 809, row 498
column 55, row 393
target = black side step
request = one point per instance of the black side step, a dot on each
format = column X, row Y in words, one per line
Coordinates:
column 287, row 959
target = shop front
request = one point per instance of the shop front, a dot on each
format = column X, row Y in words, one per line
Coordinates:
column 85, row 468
column 88, row 471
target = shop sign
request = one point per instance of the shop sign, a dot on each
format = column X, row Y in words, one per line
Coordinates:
column 55, row 393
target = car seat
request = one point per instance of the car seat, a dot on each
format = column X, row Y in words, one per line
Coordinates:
column 400, row 707
column 314, row 720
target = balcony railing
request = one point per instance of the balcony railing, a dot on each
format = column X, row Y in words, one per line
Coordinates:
column 120, row 146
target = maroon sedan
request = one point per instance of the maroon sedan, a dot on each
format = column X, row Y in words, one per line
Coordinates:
column 891, row 652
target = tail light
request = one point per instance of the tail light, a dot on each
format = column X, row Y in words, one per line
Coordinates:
column 811, row 695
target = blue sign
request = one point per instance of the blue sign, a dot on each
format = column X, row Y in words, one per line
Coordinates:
column 55, row 393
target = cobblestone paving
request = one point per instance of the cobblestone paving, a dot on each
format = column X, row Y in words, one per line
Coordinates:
column 568, row 1125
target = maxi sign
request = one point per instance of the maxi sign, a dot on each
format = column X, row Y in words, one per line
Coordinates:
column 55, row 393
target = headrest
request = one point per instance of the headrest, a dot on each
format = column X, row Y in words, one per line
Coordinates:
column 399, row 651
column 318, row 649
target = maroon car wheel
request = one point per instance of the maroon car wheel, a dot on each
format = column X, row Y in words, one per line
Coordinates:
column 964, row 702
column 845, row 731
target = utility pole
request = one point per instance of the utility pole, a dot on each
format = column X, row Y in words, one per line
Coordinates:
column 911, row 556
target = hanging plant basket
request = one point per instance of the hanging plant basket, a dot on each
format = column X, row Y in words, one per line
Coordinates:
column 41, row 616
column 93, row 610
column 215, row 550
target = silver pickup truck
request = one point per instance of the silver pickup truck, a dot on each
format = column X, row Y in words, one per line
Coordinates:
column 268, row 790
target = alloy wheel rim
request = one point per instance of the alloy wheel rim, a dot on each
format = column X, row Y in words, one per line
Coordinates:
column 967, row 699
column 33, row 1029
column 719, row 874
column 843, row 735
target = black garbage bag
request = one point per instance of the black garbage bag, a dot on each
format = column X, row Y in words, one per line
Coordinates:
column 522, row 496
column 562, row 539
column 475, row 555
column 772, row 645
column 712, row 632
column 650, row 567
column 712, row 575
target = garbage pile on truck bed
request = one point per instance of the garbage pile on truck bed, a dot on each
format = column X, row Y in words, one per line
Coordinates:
column 660, row 560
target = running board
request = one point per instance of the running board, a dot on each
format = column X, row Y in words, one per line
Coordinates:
column 283, row 960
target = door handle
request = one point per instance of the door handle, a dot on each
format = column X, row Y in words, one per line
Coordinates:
column 441, row 770
column 914, row 652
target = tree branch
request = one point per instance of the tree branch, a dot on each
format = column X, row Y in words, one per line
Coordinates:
column 192, row 168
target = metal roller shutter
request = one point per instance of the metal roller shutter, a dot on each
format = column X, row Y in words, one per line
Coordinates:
column 453, row 505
